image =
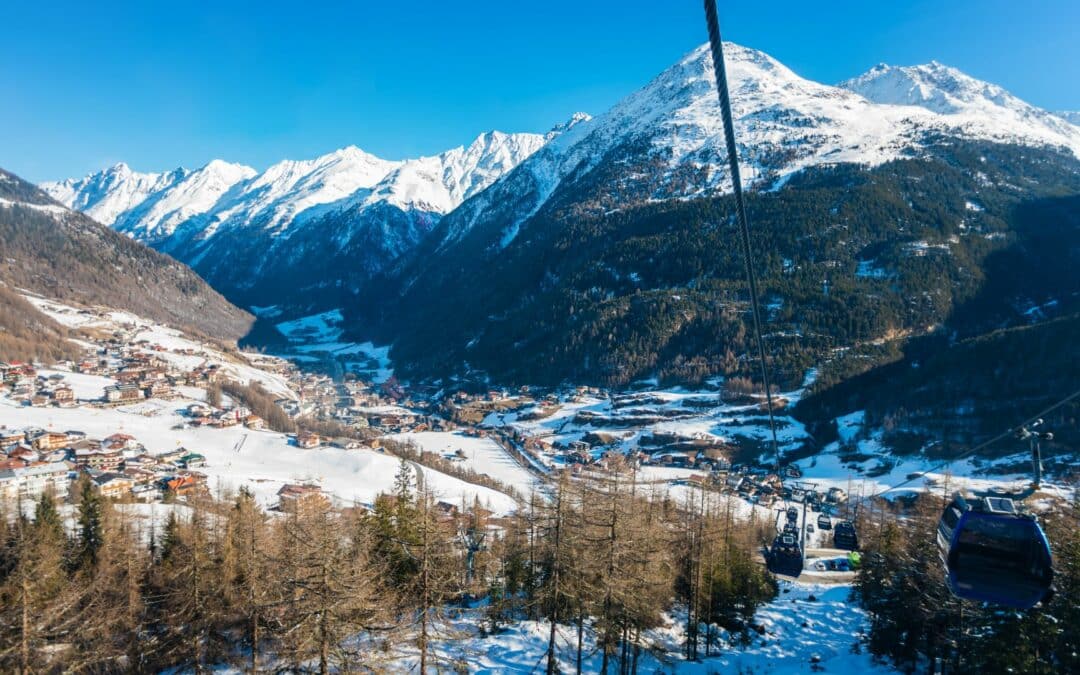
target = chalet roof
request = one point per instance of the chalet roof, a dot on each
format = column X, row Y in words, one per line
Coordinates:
column 41, row 469
column 294, row 490
column 108, row 477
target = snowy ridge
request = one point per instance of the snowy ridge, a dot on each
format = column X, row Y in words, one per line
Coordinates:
column 337, row 220
column 784, row 123
column 106, row 194
column 438, row 184
column 221, row 196
column 194, row 194
column 1070, row 116
column 976, row 107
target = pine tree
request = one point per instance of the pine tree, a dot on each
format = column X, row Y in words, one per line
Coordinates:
column 251, row 586
column 333, row 590
column 89, row 536
column 36, row 595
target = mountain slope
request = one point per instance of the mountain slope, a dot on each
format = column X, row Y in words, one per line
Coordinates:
column 1070, row 116
column 849, row 257
column 604, row 257
column 27, row 334
column 326, row 222
column 63, row 254
column 948, row 91
column 667, row 137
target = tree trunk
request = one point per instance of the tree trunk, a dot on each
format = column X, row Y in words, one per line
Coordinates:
column 24, row 637
column 555, row 585
column 580, row 637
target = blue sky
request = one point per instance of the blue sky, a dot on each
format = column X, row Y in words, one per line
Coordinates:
column 165, row 84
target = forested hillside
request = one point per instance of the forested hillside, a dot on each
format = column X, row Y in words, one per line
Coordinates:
column 851, row 261
column 26, row 334
column 62, row 254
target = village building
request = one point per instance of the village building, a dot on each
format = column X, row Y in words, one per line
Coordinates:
column 159, row 388
column 191, row 460
column 120, row 442
column 113, row 485
column 11, row 437
column 346, row 443
column 307, row 439
column 12, row 463
column 294, row 495
column 182, row 485
column 30, row 482
column 24, row 453
column 172, row 456
column 99, row 459
column 63, row 396
column 52, row 440
column 123, row 393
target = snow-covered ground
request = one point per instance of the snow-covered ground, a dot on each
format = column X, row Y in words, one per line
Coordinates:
column 86, row 387
column 799, row 633
column 483, row 455
column 891, row 476
column 319, row 336
column 177, row 349
column 860, row 463
column 261, row 460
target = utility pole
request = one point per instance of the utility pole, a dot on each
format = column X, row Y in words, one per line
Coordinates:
column 1032, row 434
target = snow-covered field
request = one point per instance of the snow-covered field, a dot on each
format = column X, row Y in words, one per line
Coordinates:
column 86, row 387
column 799, row 632
column 319, row 336
column 177, row 349
column 261, row 460
column 483, row 455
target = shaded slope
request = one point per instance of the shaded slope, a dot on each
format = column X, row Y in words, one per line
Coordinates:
column 62, row 254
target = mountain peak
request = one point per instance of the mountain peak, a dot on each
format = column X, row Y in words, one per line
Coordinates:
column 573, row 121
column 935, row 86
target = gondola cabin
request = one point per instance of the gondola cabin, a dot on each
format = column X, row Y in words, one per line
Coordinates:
column 845, row 537
column 994, row 554
column 786, row 556
column 824, row 522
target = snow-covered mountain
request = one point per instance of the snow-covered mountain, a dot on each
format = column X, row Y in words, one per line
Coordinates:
column 339, row 219
column 950, row 92
column 237, row 225
column 151, row 206
column 668, row 137
column 106, row 194
column 594, row 259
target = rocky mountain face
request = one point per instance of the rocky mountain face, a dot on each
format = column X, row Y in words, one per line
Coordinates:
column 55, row 252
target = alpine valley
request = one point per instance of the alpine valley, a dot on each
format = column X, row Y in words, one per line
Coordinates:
column 527, row 405
column 908, row 223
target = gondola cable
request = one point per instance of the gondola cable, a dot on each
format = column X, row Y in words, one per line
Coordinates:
column 740, row 209
column 972, row 536
column 985, row 444
column 787, row 553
